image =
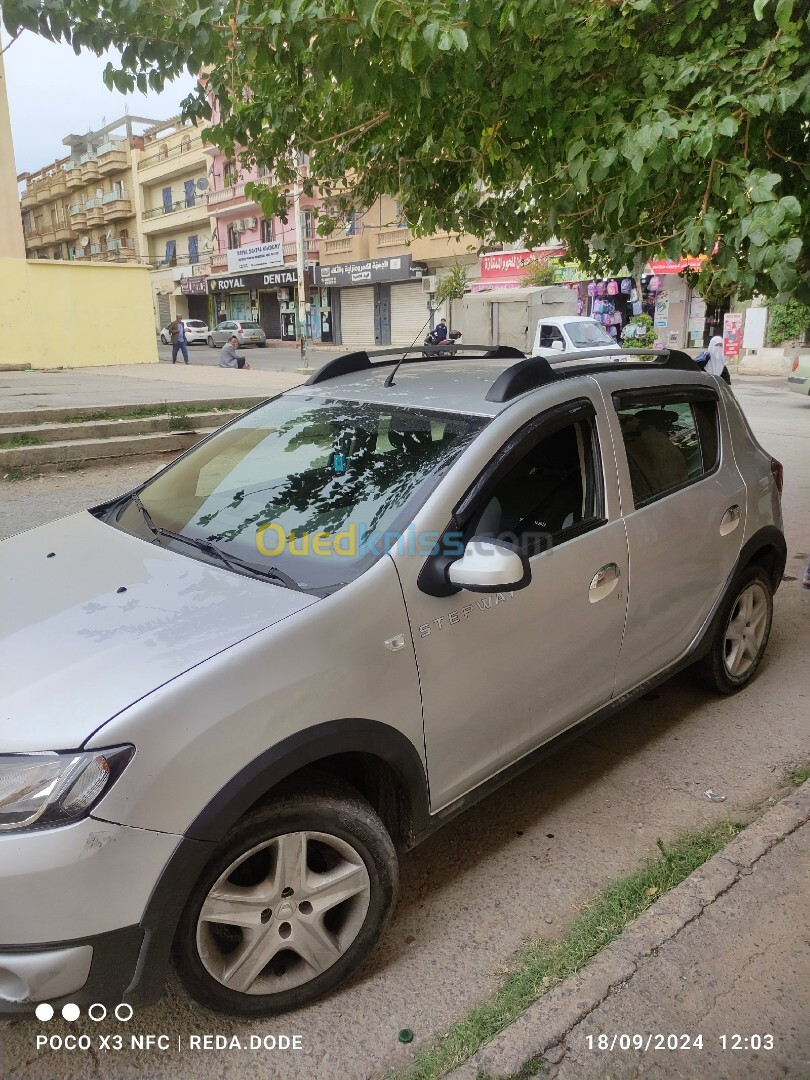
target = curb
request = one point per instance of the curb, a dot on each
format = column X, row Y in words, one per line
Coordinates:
column 541, row 1030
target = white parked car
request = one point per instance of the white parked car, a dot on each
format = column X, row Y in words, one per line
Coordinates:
column 196, row 333
column 799, row 378
column 570, row 334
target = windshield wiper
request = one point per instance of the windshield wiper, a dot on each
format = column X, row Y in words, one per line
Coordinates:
column 233, row 562
column 147, row 517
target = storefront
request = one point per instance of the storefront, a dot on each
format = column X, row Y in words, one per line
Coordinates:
column 195, row 290
column 507, row 269
column 377, row 301
column 269, row 298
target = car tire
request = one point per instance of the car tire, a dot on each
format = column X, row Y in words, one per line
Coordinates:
column 743, row 628
column 210, row 343
column 262, row 344
column 254, row 967
column 163, row 340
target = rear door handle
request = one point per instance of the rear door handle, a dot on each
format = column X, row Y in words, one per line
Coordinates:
column 603, row 582
column 730, row 520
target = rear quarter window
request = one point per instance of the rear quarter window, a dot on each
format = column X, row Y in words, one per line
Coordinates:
column 671, row 439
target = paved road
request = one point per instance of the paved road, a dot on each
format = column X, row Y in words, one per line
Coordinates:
column 273, row 358
column 517, row 864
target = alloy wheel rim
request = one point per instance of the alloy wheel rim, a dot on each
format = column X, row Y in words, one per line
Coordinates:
column 283, row 912
column 746, row 630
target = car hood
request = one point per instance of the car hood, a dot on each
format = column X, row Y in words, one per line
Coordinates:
column 106, row 619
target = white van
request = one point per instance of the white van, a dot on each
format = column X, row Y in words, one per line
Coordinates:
column 570, row 334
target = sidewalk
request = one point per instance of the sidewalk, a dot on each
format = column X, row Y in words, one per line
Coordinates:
column 136, row 384
column 723, row 956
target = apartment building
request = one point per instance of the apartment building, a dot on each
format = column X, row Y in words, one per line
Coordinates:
column 173, row 221
column 381, row 278
column 84, row 206
column 253, row 268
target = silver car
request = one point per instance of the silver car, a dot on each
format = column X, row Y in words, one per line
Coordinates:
column 247, row 333
column 234, row 694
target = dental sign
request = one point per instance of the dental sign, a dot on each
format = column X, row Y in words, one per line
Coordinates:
column 271, row 279
column 255, row 257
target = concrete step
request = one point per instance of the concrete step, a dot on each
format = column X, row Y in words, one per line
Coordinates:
column 35, row 417
column 50, row 457
column 109, row 429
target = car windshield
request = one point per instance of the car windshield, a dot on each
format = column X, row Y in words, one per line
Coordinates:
column 194, row 322
column 585, row 334
column 250, row 326
column 306, row 485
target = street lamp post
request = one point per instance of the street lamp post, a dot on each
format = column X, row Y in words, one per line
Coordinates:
column 300, row 252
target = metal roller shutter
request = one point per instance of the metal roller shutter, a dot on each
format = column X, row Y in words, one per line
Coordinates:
column 357, row 315
column 164, row 311
column 409, row 313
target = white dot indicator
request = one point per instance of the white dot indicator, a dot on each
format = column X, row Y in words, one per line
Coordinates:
column 71, row 1012
column 44, row 1011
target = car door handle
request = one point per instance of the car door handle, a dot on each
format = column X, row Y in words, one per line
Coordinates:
column 603, row 582
column 730, row 520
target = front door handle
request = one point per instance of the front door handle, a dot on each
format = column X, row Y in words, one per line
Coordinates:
column 730, row 520
column 603, row 582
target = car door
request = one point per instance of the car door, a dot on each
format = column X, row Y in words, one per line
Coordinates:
column 504, row 671
column 684, row 506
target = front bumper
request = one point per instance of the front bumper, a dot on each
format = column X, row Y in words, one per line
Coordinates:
column 798, row 384
column 72, row 910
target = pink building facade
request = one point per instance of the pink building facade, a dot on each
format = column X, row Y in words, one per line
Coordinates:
column 254, row 274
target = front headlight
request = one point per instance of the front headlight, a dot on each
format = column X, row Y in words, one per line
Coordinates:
column 38, row 791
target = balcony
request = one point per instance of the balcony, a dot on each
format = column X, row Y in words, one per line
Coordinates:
column 90, row 170
column 95, row 212
column 73, row 175
column 116, row 208
column 28, row 198
column 386, row 242
column 78, row 217
column 312, row 246
column 58, row 186
column 219, row 260
column 220, row 202
column 112, row 157
column 62, row 232
column 335, row 249
column 43, row 191
column 168, row 162
column 48, row 234
column 33, row 240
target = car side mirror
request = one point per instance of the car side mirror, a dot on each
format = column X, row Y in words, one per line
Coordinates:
column 489, row 565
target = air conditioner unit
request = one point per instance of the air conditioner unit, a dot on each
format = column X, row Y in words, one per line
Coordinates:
column 429, row 283
column 250, row 223
column 238, row 225
column 284, row 294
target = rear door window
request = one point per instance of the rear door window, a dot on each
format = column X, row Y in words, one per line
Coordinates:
column 671, row 439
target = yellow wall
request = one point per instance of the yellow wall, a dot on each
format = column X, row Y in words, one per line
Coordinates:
column 59, row 314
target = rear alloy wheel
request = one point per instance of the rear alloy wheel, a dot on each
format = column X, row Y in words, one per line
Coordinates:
column 292, row 901
column 210, row 343
column 742, row 633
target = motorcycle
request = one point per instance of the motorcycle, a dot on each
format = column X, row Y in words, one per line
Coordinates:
column 433, row 340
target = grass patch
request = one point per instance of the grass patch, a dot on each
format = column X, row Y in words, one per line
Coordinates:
column 19, row 440
column 539, row 965
column 798, row 775
column 147, row 412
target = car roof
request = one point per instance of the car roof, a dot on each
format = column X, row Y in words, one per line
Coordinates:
column 468, row 385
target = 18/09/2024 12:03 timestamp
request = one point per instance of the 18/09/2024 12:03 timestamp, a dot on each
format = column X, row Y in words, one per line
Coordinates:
column 673, row 1041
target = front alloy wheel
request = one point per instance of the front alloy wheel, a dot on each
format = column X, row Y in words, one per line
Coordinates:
column 294, row 899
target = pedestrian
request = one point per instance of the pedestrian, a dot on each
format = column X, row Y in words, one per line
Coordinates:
column 716, row 364
column 228, row 357
column 177, row 332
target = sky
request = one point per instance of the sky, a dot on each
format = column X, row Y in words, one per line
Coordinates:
column 53, row 93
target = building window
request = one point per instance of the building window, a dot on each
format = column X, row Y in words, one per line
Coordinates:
column 167, row 200
column 233, row 238
column 353, row 224
column 402, row 221
column 229, row 174
column 307, row 223
column 193, row 250
column 171, row 253
column 185, row 143
column 188, row 190
column 267, row 231
column 118, row 189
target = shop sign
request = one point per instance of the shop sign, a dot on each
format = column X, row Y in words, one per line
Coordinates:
column 255, row 257
column 191, row 286
column 662, row 308
column 506, row 268
column 271, row 279
column 670, row 266
column 396, row 268
column 732, row 335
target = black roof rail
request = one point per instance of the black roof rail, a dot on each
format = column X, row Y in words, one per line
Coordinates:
column 361, row 361
column 536, row 371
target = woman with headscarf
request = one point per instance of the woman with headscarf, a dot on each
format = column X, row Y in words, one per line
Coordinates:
column 716, row 363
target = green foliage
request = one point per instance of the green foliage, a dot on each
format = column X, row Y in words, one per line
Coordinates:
column 452, row 284
column 647, row 340
column 787, row 322
column 628, row 129
column 539, row 272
